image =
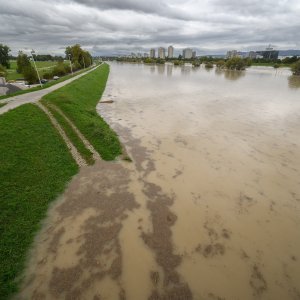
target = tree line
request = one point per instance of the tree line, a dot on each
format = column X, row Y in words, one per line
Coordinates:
column 78, row 58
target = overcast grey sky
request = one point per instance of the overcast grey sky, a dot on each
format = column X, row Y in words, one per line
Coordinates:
column 122, row 26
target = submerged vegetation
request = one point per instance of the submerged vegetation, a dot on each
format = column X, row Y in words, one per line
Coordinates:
column 296, row 68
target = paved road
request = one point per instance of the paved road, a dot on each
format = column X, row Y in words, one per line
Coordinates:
column 16, row 101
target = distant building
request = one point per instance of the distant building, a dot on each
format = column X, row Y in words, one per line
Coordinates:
column 161, row 53
column 187, row 53
column 194, row 54
column 231, row 54
column 252, row 54
column 152, row 53
column 146, row 55
column 268, row 54
column 170, row 52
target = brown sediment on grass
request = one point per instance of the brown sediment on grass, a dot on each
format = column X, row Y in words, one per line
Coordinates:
column 80, row 247
column 160, row 241
column 86, row 143
column 74, row 152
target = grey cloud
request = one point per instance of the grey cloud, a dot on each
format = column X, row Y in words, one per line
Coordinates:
column 131, row 25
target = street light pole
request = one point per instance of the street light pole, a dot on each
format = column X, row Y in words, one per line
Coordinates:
column 70, row 63
column 83, row 63
column 32, row 52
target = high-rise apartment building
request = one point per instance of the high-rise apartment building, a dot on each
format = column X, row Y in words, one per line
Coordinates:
column 152, row 53
column 161, row 53
column 187, row 53
column 170, row 52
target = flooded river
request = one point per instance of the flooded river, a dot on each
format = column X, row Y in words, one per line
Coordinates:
column 209, row 207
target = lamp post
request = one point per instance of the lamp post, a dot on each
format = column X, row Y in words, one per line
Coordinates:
column 70, row 63
column 32, row 52
column 83, row 63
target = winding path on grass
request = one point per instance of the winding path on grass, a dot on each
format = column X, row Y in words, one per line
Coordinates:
column 16, row 101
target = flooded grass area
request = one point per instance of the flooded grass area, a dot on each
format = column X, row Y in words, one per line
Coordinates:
column 209, row 207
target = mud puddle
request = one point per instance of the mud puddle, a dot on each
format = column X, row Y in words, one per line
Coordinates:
column 208, row 209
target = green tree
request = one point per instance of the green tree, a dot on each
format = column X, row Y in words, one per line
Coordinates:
column 236, row 63
column 3, row 72
column 79, row 57
column 59, row 69
column 4, row 56
column 22, row 62
column 296, row 68
column 30, row 74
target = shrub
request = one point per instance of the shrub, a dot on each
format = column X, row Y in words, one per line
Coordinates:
column 59, row 69
column 236, row 63
column 220, row 64
column 76, row 66
column 48, row 75
column 296, row 68
column 209, row 65
column 276, row 66
column 3, row 72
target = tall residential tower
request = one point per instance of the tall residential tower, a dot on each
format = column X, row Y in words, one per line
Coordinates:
column 161, row 53
column 170, row 52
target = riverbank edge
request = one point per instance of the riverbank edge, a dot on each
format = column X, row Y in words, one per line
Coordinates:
column 28, row 159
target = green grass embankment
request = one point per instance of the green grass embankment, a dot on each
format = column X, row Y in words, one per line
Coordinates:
column 74, row 138
column 35, row 168
column 78, row 101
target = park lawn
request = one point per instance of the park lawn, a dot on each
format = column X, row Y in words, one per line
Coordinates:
column 78, row 102
column 46, row 85
column 35, row 167
column 43, row 67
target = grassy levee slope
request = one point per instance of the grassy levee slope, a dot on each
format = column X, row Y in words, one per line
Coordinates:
column 35, row 168
column 78, row 102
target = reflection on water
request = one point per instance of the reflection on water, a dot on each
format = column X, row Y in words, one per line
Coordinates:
column 230, row 74
column 208, row 209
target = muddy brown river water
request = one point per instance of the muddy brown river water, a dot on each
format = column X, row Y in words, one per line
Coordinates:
column 209, row 207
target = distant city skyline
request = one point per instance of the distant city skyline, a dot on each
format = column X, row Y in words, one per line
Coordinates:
column 114, row 27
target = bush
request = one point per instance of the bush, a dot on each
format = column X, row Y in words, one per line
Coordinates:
column 149, row 60
column 220, row 64
column 209, row 65
column 276, row 66
column 236, row 63
column 3, row 72
column 30, row 74
column 296, row 68
column 67, row 68
column 178, row 62
column 76, row 66
column 48, row 75
column 59, row 69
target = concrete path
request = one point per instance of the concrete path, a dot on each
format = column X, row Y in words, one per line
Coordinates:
column 32, row 97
